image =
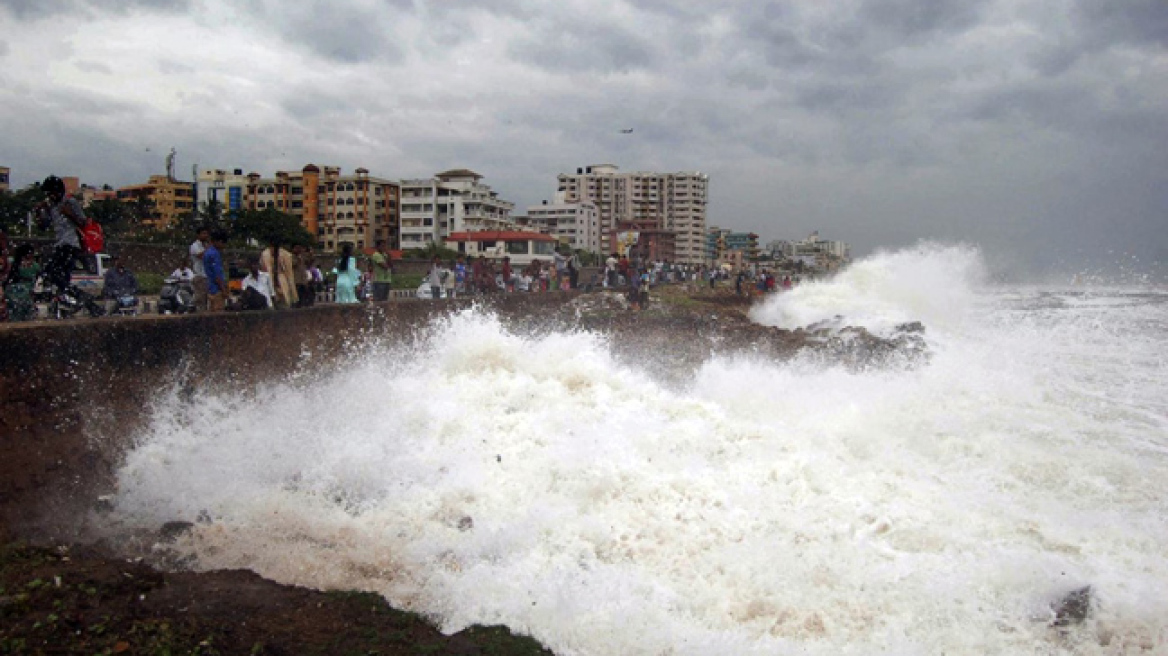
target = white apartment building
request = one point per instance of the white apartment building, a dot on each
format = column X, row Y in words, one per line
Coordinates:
column 228, row 188
column 667, row 209
column 813, row 245
column 451, row 201
column 576, row 224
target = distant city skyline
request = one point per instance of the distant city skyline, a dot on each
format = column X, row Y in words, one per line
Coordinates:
column 1033, row 128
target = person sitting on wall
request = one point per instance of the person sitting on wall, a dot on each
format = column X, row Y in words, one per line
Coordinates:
column 121, row 286
column 256, row 290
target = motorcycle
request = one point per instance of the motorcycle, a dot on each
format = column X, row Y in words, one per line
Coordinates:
column 177, row 296
column 71, row 301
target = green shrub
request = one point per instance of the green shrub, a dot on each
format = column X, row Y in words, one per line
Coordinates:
column 150, row 283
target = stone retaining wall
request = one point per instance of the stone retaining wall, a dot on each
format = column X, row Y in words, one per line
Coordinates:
column 73, row 393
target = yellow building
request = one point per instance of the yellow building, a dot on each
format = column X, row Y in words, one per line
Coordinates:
column 169, row 199
column 357, row 209
column 4, row 178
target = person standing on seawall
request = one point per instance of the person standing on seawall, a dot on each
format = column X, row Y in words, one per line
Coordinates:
column 199, row 283
column 215, row 274
column 67, row 218
column 281, row 269
column 434, row 278
column 300, row 276
column 382, row 272
column 348, row 277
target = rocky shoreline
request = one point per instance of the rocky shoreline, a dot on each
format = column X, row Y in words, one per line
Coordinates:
column 90, row 599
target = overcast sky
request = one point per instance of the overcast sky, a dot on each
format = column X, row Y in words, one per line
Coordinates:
column 1037, row 129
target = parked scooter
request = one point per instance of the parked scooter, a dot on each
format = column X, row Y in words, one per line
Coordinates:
column 177, row 296
column 71, row 301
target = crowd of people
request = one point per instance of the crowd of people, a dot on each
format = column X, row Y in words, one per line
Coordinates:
column 283, row 276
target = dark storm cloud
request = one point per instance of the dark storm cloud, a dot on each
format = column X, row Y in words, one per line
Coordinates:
column 34, row 9
column 335, row 31
column 584, row 46
column 1132, row 22
column 910, row 20
column 1096, row 26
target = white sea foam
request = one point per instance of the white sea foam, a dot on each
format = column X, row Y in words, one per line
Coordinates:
column 768, row 508
column 932, row 283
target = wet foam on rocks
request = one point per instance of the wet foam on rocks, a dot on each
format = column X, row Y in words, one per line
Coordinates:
column 480, row 476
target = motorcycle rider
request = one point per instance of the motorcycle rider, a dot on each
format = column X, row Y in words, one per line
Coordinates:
column 65, row 215
column 120, row 283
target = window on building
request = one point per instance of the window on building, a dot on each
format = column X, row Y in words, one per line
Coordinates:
column 297, row 190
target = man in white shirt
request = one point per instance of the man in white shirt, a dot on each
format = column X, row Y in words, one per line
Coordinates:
column 199, row 283
column 256, row 288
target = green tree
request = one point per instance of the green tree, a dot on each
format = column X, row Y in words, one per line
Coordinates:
column 140, row 212
column 209, row 214
column 113, row 215
column 587, row 257
column 16, row 205
column 270, row 224
column 430, row 251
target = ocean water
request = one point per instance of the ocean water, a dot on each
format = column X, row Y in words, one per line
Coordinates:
column 482, row 476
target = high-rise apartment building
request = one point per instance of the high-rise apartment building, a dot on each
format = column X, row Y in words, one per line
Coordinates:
column 452, row 201
column 574, row 224
column 355, row 209
column 667, row 210
column 169, row 199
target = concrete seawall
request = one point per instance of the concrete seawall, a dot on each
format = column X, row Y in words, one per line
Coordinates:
column 73, row 394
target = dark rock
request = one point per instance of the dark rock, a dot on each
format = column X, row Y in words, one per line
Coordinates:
column 1073, row 608
column 462, row 645
column 171, row 531
column 466, row 524
column 911, row 327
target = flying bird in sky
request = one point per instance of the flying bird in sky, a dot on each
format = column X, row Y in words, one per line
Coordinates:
column 628, row 131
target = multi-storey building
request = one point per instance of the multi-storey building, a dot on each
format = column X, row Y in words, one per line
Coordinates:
column 666, row 210
column 227, row 188
column 4, row 171
column 574, row 224
column 88, row 194
column 452, row 201
column 814, row 245
column 723, row 243
column 780, row 248
column 169, row 199
column 338, row 209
